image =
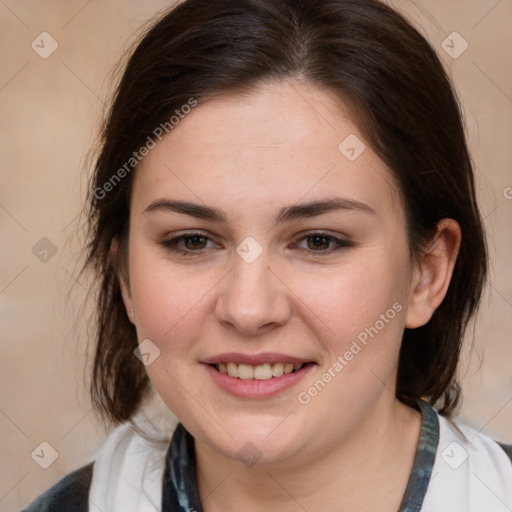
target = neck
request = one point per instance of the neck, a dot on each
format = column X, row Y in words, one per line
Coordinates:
column 366, row 470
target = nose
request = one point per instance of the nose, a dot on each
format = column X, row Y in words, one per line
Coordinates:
column 253, row 300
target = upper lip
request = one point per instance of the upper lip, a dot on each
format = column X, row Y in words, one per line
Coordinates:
column 254, row 359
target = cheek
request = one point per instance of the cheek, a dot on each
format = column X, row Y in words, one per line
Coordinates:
column 170, row 301
column 359, row 319
column 358, row 315
column 351, row 297
column 171, row 307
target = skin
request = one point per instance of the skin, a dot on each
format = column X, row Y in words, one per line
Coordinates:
column 352, row 446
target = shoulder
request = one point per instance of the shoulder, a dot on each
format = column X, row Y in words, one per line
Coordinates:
column 70, row 493
column 471, row 471
column 507, row 448
column 481, row 451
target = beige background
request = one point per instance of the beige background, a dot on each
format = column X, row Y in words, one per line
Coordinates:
column 50, row 111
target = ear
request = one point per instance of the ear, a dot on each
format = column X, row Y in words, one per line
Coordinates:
column 432, row 274
column 123, row 283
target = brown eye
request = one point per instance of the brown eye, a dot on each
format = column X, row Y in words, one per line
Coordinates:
column 192, row 244
column 318, row 242
column 321, row 243
column 195, row 242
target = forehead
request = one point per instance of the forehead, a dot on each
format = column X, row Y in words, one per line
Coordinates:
column 278, row 144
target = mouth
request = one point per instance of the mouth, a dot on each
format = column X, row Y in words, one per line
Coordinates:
column 256, row 376
column 263, row 371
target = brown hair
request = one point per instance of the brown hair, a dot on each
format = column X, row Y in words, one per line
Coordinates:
column 372, row 58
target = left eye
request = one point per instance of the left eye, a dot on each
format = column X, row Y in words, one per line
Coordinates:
column 321, row 242
column 195, row 241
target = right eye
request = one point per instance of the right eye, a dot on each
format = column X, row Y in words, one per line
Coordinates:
column 190, row 244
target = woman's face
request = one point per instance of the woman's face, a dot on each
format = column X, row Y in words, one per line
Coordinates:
column 259, row 244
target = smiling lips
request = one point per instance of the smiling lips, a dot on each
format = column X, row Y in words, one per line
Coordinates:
column 259, row 376
column 263, row 371
column 264, row 366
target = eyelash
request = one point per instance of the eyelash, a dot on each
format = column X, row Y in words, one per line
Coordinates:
column 172, row 244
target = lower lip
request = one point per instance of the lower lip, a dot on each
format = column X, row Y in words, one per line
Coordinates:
column 254, row 388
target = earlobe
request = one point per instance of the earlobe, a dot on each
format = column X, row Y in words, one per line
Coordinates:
column 123, row 284
column 432, row 274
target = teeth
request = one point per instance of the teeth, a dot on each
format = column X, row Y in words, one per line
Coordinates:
column 245, row 371
column 277, row 369
column 261, row 372
column 232, row 369
column 288, row 368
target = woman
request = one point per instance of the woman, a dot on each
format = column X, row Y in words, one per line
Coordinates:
column 284, row 227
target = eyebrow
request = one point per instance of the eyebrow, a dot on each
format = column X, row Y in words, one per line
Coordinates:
column 286, row 214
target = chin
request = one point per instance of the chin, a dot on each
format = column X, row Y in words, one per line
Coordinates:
column 261, row 441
